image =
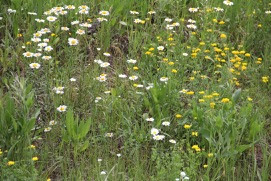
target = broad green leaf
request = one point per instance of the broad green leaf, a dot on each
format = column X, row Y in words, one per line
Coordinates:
column 236, row 95
column 70, row 122
column 84, row 146
column 84, row 128
column 242, row 148
column 255, row 128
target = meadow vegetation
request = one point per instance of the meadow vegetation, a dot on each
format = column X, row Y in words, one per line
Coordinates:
column 135, row 90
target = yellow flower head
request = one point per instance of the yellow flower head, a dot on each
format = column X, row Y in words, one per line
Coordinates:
column 190, row 93
column 196, row 147
column 35, row 158
column 11, row 163
column 174, row 71
column 212, row 105
column 178, row 116
column 223, row 35
column 210, row 154
column 265, row 79
column 195, row 133
column 225, row 100
column 187, row 126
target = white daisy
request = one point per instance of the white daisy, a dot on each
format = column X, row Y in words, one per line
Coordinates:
column 132, row 61
column 193, row 10
column 104, row 64
column 160, row 48
column 46, row 58
column 104, row 13
column 228, row 3
column 172, row 141
column 34, row 65
column 65, row 28
column 73, row 41
column 150, row 119
column 74, row 22
column 168, row 20
column 48, row 48
column 163, row 79
column 51, row 18
column 62, row 108
column 122, row 76
column 154, row 131
column 80, row 32
column 134, row 12
column 52, row 123
column 134, row 77
column 72, row 79
column 47, row 129
column 165, row 123
column 106, row 54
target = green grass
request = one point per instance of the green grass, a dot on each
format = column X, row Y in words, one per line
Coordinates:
column 212, row 84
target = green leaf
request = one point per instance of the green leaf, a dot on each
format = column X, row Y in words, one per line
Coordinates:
column 56, row 41
column 29, row 125
column 70, row 123
column 84, row 128
column 206, row 134
column 9, row 107
column 219, row 122
column 29, row 102
column 84, row 146
column 242, row 148
column 15, row 125
column 65, row 136
column 236, row 95
column 254, row 129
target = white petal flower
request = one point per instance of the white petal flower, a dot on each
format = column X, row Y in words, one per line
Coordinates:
column 104, row 13
column 172, row 141
column 160, row 48
column 154, row 131
column 163, row 79
column 134, row 77
column 104, row 64
column 134, row 12
column 150, row 119
column 51, row 18
column 72, row 79
column 47, row 129
column 28, row 54
column 48, row 49
column 122, row 76
column 73, row 41
column 80, row 32
column 52, row 123
column 34, row 65
column 62, row 108
column 159, row 137
column 165, row 123
column 183, row 174
column 228, row 3
column 168, row 20
column 193, row 10
column 106, row 54
column 132, row 61
column 65, row 28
